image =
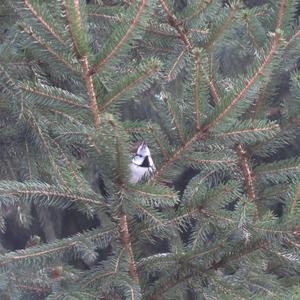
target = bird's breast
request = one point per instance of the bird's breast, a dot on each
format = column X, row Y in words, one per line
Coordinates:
column 137, row 173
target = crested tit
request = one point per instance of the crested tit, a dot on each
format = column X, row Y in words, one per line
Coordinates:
column 142, row 164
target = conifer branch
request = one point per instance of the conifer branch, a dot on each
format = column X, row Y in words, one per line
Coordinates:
column 54, row 248
column 65, row 116
column 274, row 231
column 295, row 200
column 251, row 34
column 83, row 58
column 201, row 8
column 145, row 193
column 69, row 25
column 108, row 102
column 146, row 212
column 107, row 274
column 252, row 130
column 134, row 23
column 108, row 17
column 169, row 75
column 35, row 14
column 11, row 170
column 211, row 250
column 156, row 49
column 50, row 96
column 23, row 255
column 196, row 89
column 126, row 243
column 28, row 161
column 88, row 137
column 292, row 38
column 100, row 276
column 174, row 119
column 248, row 180
column 198, row 30
column 163, row 33
column 123, row 224
column 91, row 92
column 258, row 245
column 282, row 5
column 257, row 74
column 172, row 21
column 62, row 295
column 211, row 222
column 48, row 150
column 216, row 216
column 135, row 130
column 94, row 235
column 195, row 272
column 38, row 290
column 192, row 213
column 210, row 161
column 158, row 142
column 214, row 38
column 260, row 99
column 165, row 165
column 281, row 255
column 213, row 90
column 8, row 77
column 118, row 145
column 41, row 193
column 93, row 142
column 181, row 277
column 39, row 40
column 70, row 165
column 278, row 168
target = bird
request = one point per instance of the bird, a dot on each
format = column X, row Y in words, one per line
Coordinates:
column 142, row 165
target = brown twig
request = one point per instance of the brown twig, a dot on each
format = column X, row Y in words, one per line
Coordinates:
column 124, row 232
column 196, row 89
column 153, row 68
column 126, row 243
column 43, row 44
column 172, row 21
column 134, row 23
column 259, row 101
column 40, row 253
column 31, row 9
column 38, row 92
column 177, row 60
column 248, row 179
column 175, row 120
column 197, row 11
column 91, row 92
column 83, row 59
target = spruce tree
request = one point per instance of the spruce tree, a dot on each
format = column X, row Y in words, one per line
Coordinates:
column 213, row 87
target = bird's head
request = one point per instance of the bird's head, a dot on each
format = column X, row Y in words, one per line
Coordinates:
column 143, row 150
column 142, row 156
column 142, row 164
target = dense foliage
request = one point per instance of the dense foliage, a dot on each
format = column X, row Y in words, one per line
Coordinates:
column 212, row 86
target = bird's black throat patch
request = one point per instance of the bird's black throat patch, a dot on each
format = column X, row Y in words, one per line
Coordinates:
column 146, row 163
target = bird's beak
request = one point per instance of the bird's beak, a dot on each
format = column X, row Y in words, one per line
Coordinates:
column 144, row 144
